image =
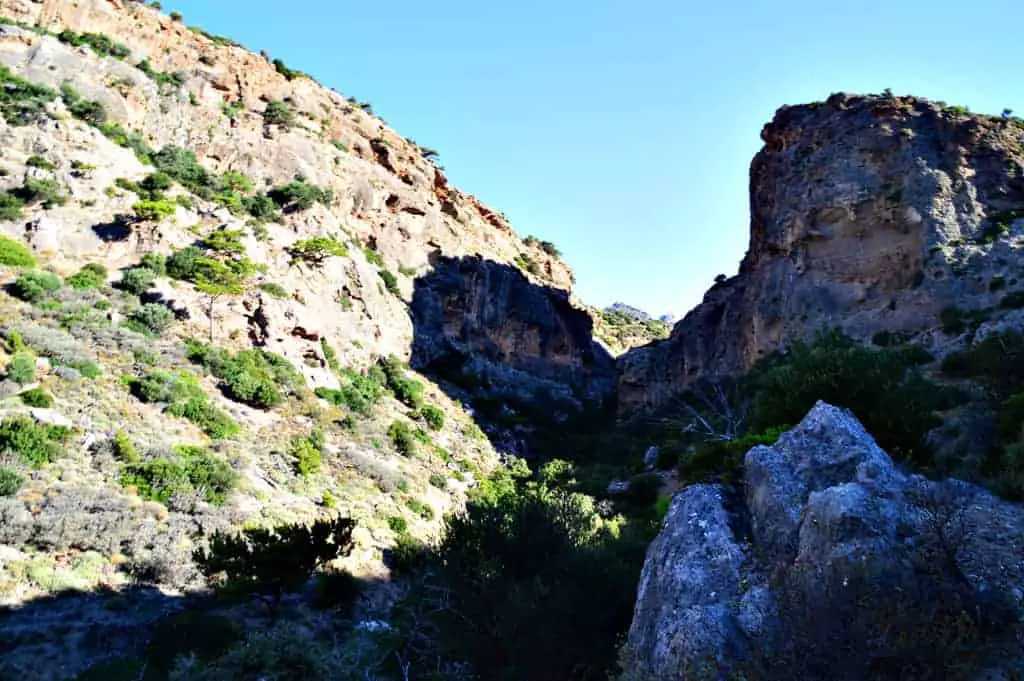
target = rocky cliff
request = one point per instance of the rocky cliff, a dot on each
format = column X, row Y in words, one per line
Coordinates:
column 485, row 319
column 868, row 213
column 830, row 561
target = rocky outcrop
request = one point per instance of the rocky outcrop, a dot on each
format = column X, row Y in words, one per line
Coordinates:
column 868, row 213
column 828, row 534
column 486, row 318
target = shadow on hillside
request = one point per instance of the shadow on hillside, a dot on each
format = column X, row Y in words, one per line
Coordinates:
column 117, row 229
column 108, row 634
column 520, row 354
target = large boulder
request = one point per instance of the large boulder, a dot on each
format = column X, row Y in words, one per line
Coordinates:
column 832, row 559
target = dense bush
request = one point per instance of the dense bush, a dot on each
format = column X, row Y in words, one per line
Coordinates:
column 123, row 448
column 306, row 455
column 21, row 369
column 275, row 560
column 23, row 102
column 188, row 470
column 279, row 113
column 154, row 211
column 519, row 572
column 997, row 364
column 35, row 444
column 91, row 276
column 402, row 437
column 255, row 377
column 45, row 191
column 300, row 195
column 37, row 397
column 390, row 282
column 882, row 387
column 358, row 392
column 15, row 254
column 185, row 398
column 154, row 318
column 406, row 390
column 10, row 482
column 137, row 280
column 99, row 43
column 432, row 416
column 34, row 286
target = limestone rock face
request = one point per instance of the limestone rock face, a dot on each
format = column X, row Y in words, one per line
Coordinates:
column 869, row 213
column 823, row 504
column 469, row 310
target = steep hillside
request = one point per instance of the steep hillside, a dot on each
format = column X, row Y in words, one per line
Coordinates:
column 214, row 273
column 888, row 217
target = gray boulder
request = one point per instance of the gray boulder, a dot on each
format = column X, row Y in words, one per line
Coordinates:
column 827, row 535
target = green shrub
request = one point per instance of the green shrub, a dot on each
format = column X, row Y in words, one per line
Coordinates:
column 153, row 318
column 124, row 449
column 137, row 280
column 22, row 368
column 45, row 191
column 14, row 253
column 190, row 469
column 398, row 524
column 183, row 264
column 255, row 377
column 98, row 43
column 306, row 455
column 128, row 140
column 433, row 416
column 154, row 211
column 157, row 262
column 37, row 397
column 300, row 195
column 10, row 482
column 439, row 481
column 23, row 102
column 91, row 276
column 273, row 289
column 212, row 421
column 425, row 511
column 185, row 399
column 882, row 387
column 406, row 390
column 279, row 113
column 10, row 209
column 390, row 282
column 275, row 560
column 262, row 208
column 37, row 161
column 35, row 444
column 34, row 286
column 402, row 437
column 290, row 74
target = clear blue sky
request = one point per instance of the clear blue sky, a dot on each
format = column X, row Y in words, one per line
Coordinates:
column 623, row 130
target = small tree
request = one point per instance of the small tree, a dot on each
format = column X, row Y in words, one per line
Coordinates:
column 317, row 250
column 275, row 560
column 217, row 279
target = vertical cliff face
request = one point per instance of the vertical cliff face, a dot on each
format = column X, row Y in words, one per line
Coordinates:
column 868, row 213
column 472, row 311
